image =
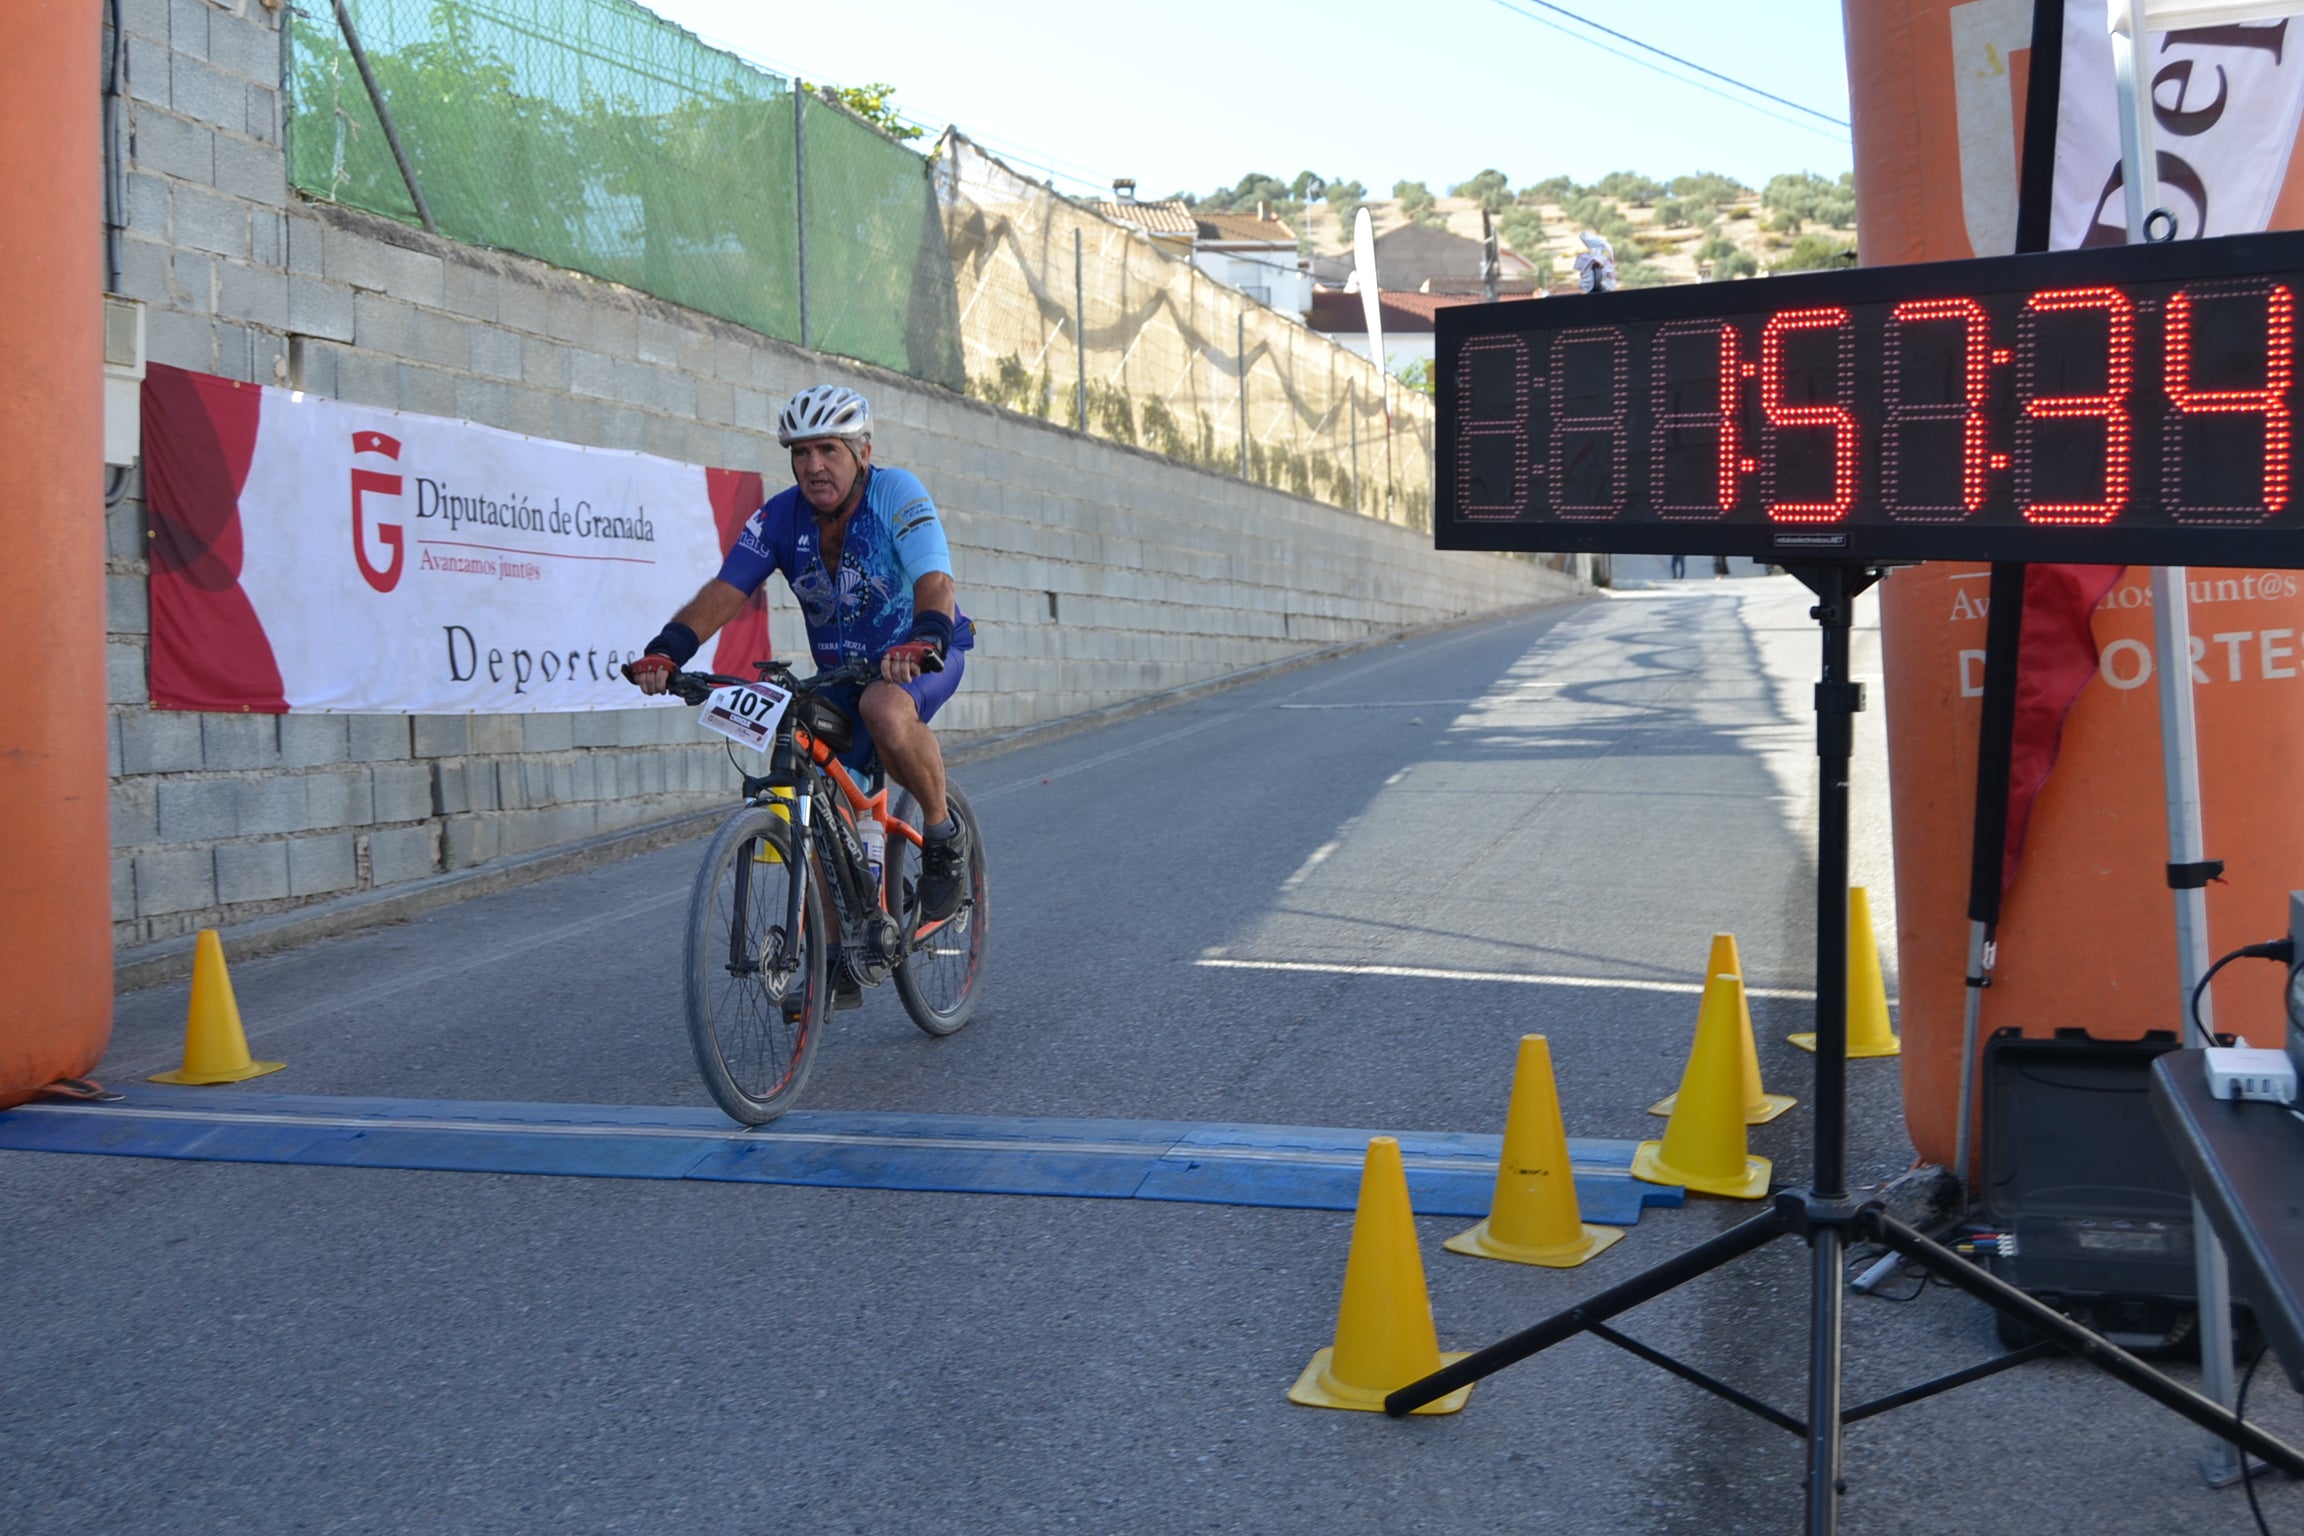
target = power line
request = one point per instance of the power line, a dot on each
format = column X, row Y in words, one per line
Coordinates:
column 1515, row 9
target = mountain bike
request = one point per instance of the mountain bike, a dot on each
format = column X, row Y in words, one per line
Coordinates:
column 793, row 914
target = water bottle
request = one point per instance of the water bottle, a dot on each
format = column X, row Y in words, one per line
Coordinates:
column 875, row 839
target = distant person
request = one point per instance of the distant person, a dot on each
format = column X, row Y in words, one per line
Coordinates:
column 1719, row 566
column 1679, row 566
column 865, row 556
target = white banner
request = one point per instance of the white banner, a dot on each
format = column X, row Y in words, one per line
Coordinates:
column 396, row 563
column 2225, row 106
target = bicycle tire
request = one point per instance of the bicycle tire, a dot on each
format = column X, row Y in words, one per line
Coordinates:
column 753, row 1058
column 940, row 977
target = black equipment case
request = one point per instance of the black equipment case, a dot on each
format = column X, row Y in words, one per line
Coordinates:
column 2089, row 1208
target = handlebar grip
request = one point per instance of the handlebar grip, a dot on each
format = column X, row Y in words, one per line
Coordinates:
column 922, row 652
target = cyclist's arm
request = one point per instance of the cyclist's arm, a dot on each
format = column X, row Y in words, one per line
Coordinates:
column 714, row 604
column 932, row 593
column 924, row 559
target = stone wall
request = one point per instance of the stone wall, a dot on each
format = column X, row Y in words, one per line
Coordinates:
column 1097, row 573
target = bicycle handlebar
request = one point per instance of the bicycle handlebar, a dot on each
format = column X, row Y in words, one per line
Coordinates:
column 693, row 688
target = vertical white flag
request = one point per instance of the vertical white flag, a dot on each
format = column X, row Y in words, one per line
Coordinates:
column 2225, row 102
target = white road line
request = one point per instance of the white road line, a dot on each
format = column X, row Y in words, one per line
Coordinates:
column 1521, row 978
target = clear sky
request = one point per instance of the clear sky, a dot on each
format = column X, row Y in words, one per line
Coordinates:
column 1191, row 94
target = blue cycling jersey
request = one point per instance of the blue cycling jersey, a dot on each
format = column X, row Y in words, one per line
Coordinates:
column 894, row 538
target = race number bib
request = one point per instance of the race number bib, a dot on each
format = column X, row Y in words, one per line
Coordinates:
column 745, row 713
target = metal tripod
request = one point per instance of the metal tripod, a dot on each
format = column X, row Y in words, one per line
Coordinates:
column 1823, row 1216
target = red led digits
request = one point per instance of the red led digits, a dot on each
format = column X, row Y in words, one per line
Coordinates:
column 1494, row 459
column 2110, row 405
column 1976, row 457
column 1589, row 384
column 1837, row 417
column 1694, row 456
column 2270, row 402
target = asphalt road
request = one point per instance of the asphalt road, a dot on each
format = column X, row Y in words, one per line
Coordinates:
column 1201, row 914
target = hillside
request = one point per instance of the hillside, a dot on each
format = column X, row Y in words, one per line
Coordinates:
column 1669, row 235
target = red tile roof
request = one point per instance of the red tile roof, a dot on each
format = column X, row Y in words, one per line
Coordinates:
column 1237, row 227
column 1165, row 217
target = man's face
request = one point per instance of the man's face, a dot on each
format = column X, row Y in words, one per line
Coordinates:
column 826, row 469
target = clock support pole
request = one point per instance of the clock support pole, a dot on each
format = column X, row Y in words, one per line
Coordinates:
column 1823, row 1215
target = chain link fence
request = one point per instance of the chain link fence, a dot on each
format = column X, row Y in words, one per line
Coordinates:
column 1065, row 314
column 596, row 136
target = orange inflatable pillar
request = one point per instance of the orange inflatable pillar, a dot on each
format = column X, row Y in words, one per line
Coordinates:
column 55, row 851
column 2088, row 931
column 2087, row 935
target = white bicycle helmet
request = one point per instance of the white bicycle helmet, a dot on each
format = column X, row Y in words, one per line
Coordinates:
column 824, row 410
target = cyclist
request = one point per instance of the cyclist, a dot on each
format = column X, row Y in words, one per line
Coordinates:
column 864, row 553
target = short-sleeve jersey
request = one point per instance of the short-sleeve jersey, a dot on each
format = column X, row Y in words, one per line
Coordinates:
column 894, row 538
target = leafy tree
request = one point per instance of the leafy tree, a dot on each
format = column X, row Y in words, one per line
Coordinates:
column 1805, row 196
column 1414, row 197
column 1814, row 253
column 1521, row 230
column 1708, row 187
column 1553, row 189
column 1589, row 209
column 1307, row 186
column 1735, row 264
column 1345, row 198
column 875, row 103
column 1672, row 214
column 1250, row 190
column 1713, row 250
column 1490, row 189
column 1420, row 375
column 1631, row 187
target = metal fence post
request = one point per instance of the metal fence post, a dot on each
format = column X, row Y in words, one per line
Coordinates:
column 800, row 196
column 1080, row 331
column 383, row 116
column 1241, row 353
column 1352, row 399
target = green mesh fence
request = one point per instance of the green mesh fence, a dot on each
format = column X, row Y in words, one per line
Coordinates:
column 596, row 136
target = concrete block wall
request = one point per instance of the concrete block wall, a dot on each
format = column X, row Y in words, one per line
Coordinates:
column 1097, row 573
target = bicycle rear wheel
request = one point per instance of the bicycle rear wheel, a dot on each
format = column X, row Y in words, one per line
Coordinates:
column 942, row 969
column 757, row 996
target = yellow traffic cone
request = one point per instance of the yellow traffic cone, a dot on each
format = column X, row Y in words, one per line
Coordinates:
column 1703, row 1146
column 1869, row 1033
column 1384, row 1335
column 1534, row 1218
column 215, row 1047
column 1760, row 1106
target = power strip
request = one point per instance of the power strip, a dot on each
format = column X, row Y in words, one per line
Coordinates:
column 2243, row 1072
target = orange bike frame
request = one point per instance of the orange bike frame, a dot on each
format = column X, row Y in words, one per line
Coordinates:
column 876, row 807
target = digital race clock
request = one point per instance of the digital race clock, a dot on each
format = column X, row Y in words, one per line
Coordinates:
column 2133, row 405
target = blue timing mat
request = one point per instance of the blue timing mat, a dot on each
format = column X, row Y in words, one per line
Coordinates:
column 1300, row 1167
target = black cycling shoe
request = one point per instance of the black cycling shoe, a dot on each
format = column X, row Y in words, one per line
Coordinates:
column 943, row 873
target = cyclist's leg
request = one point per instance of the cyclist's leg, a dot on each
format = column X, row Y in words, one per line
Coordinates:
column 894, row 719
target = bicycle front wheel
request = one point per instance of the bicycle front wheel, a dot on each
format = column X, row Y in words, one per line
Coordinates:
column 942, row 969
column 758, row 993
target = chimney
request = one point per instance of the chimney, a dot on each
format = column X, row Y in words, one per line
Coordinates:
column 1124, row 189
column 1263, row 209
